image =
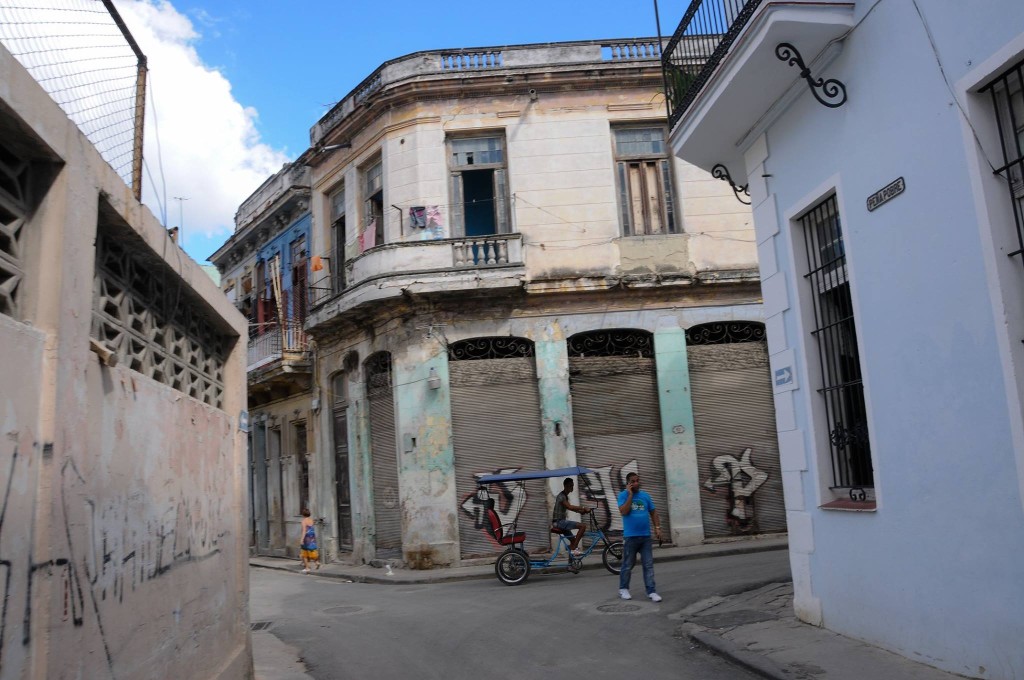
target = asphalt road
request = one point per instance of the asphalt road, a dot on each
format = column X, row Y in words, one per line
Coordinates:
column 551, row 625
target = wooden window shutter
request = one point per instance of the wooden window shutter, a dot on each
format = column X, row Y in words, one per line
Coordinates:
column 666, row 183
column 624, row 211
column 501, row 201
column 458, row 215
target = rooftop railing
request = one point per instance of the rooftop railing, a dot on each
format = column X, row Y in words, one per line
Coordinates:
column 459, row 63
column 703, row 38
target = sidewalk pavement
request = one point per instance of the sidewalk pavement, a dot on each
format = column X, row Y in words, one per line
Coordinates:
column 481, row 569
column 758, row 630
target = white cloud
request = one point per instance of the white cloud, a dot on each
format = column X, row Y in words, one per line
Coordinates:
column 211, row 151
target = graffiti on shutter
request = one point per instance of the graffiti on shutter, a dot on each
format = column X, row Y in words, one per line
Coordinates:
column 496, row 428
column 737, row 444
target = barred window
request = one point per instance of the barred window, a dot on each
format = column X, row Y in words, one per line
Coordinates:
column 835, row 334
column 1008, row 99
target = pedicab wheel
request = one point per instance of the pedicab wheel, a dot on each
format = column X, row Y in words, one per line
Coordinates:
column 512, row 567
column 612, row 557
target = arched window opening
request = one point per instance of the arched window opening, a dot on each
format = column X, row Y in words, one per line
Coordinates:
column 619, row 342
column 725, row 332
column 378, row 371
column 506, row 347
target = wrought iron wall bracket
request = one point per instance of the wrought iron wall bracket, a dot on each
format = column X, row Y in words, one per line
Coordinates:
column 722, row 173
column 833, row 92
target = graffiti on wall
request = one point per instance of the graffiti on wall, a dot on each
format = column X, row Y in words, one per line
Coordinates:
column 600, row 489
column 509, row 500
column 104, row 552
column 741, row 479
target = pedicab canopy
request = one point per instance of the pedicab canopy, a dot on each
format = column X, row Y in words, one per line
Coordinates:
column 533, row 474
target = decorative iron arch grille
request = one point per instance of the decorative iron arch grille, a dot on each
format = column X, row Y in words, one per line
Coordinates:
column 725, row 332
column 490, row 348
column 625, row 342
column 378, row 371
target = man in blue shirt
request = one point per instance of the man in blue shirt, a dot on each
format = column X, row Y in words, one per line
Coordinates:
column 637, row 510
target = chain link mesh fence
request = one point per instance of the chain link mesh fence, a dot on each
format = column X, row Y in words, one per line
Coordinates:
column 83, row 55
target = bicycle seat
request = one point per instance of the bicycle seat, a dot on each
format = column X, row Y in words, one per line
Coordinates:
column 560, row 532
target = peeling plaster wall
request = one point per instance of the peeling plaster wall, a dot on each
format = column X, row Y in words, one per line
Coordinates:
column 561, row 181
column 426, row 460
column 426, row 467
column 124, row 520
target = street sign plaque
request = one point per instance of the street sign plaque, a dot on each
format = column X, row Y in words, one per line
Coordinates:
column 886, row 194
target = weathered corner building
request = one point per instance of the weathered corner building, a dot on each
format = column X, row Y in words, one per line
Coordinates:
column 507, row 269
column 122, row 532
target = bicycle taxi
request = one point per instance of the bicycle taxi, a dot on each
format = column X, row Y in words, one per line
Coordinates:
column 514, row 565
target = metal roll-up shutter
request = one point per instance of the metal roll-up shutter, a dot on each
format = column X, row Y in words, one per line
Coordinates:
column 383, row 447
column 733, row 411
column 617, row 425
column 496, row 427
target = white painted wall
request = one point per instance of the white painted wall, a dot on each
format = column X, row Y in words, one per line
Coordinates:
column 934, row 573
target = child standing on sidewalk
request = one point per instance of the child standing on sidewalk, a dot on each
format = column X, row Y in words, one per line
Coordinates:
column 307, row 547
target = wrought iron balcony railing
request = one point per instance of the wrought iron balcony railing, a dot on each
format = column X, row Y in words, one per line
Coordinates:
column 698, row 45
column 272, row 341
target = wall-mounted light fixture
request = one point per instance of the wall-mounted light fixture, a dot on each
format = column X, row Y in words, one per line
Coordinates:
column 433, row 379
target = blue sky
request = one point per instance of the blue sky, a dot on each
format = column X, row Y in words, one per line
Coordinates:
column 290, row 61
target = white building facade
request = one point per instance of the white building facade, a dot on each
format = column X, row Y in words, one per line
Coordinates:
column 881, row 146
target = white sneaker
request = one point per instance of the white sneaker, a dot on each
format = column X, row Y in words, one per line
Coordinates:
column 305, row 571
column 655, row 597
column 624, row 594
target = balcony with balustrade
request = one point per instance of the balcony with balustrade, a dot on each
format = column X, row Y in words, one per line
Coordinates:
column 443, row 266
column 732, row 66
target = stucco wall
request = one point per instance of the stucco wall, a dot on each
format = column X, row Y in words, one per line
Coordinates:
column 929, row 574
column 561, row 183
column 124, row 514
column 423, row 416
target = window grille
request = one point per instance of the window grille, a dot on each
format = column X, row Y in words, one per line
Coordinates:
column 725, row 332
column 155, row 325
column 612, row 343
column 836, row 336
column 1008, row 99
column 644, row 178
column 490, row 348
column 378, row 372
column 14, row 209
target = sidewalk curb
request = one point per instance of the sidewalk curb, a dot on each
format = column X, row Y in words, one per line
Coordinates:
column 407, row 577
column 753, row 662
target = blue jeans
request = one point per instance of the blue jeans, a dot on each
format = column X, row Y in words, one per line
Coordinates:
column 631, row 545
